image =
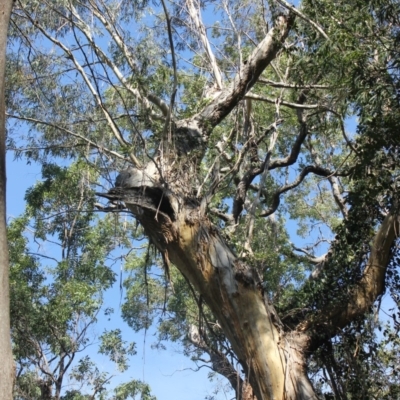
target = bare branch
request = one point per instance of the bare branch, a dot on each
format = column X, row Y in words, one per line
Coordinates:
column 219, row 361
column 228, row 218
column 348, row 141
column 276, row 196
column 244, row 184
column 62, row 129
column 292, row 157
column 195, row 16
column 85, row 29
column 239, row 41
column 96, row 95
column 161, row 104
column 254, row 96
column 310, row 257
column 110, row 26
column 256, row 201
column 171, row 44
column 337, row 196
column 290, row 86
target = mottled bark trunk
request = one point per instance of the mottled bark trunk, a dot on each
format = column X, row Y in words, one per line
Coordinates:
column 6, row 365
column 273, row 361
column 176, row 224
column 229, row 290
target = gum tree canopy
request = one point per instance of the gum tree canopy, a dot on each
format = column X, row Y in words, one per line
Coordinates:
column 226, row 120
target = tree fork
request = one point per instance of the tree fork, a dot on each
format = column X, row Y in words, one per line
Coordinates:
column 176, row 224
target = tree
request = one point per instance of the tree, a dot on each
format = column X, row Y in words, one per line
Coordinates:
column 6, row 368
column 211, row 126
column 56, row 299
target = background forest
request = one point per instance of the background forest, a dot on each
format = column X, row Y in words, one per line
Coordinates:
column 271, row 128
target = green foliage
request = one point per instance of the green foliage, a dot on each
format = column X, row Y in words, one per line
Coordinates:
column 117, row 349
column 131, row 390
column 56, row 299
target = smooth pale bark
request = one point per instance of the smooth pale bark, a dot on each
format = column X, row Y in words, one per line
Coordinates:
column 228, row 287
column 191, row 135
column 248, row 74
column 274, row 362
column 6, row 364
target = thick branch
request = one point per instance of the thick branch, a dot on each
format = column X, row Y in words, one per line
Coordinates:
column 248, row 74
column 249, row 176
column 228, row 218
column 337, row 196
column 292, row 157
column 365, row 292
column 310, row 257
column 191, row 135
column 276, row 196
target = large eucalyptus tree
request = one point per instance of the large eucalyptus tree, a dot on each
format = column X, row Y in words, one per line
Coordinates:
column 211, row 123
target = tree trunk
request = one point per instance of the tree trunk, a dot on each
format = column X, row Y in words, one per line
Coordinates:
column 175, row 221
column 272, row 360
column 6, row 365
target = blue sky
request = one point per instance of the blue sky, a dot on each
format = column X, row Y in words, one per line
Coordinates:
column 169, row 373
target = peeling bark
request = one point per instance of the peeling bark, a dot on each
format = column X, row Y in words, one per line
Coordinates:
column 230, row 290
